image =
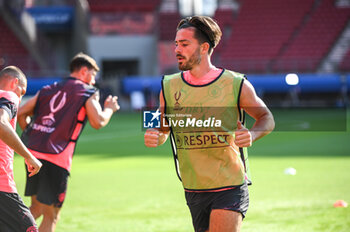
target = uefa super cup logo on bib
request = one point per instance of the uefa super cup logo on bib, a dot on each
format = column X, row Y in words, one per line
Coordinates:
column 48, row 120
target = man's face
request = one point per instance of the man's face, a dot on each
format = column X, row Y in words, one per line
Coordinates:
column 187, row 49
column 89, row 75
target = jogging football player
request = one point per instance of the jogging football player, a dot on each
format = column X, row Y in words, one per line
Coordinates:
column 59, row 113
column 14, row 214
column 213, row 166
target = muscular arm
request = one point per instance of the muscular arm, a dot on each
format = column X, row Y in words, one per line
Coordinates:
column 99, row 118
column 26, row 110
column 9, row 136
column 256, row 108
column 157, row 137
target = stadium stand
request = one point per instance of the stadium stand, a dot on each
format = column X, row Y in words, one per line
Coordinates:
column 102, row 23
column 277, row 36
column 167, row 25
column 259, row 37
column 225, row 18
column 12, row 51
column 167, row 59
column 315, row 39
column 126, row 17
column 123, row 5
column 260, row 31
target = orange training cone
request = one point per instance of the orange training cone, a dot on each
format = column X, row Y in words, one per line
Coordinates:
column 340, row 203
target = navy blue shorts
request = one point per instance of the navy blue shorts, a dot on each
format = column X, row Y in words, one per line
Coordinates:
column 49, row 185
column 202, row 203
column 15, row 215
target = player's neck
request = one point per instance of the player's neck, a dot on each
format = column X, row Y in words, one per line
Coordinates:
column 76, row 75
column 202, row 69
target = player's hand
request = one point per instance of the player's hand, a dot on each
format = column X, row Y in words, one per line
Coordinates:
column 33, row 166
column 243, row 137
column 112, row 103
column 152, row 138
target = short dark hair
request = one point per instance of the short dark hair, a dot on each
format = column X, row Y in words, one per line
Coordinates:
column 82, row 60
column 13, row 72
column 207, row 30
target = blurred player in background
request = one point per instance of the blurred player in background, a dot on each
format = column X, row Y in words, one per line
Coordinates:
column 59, row 113
column 213, row 168
column 14, row 215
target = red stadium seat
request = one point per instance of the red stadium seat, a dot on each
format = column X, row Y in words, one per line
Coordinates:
column 276, row 36
column 314, row 40
column 123, row 5
column 260, row 32
column 167, row 23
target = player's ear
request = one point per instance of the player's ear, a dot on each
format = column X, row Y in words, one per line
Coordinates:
column 14, row 83
column 83, row 70
column 205, row 47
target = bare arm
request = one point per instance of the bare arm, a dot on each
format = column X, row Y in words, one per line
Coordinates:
column 256, row 108
column 9, row 136
column 99, row 118
column 155, row 137
column 26, row 111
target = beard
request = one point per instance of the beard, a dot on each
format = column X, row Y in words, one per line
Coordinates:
column 194, row 59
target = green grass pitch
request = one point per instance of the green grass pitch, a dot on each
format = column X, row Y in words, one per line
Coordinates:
column 117, row 184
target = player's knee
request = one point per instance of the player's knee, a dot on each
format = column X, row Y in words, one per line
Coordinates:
column 52, row 215
column 35, row 210
column 52, row 218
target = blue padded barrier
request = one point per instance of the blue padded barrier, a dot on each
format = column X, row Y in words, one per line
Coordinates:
column 265, row 83
column 269, row 83
column 348, row 83
column 35, row 84
column 321, row 83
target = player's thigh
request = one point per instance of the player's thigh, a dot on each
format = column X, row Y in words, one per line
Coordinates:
column 4, row 227
column 222, row 220
column 52, row 184
column 14, row 214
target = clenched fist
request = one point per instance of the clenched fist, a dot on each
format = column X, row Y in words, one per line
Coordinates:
column 243, row 137
column 152, row 138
